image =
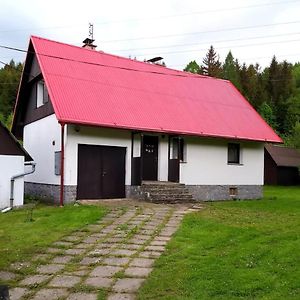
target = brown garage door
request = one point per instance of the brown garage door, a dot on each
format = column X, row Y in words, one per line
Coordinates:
column 101, row 172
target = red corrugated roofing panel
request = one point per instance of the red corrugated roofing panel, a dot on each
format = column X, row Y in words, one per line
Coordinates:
column 95, row 88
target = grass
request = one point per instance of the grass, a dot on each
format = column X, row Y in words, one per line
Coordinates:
column 233, row 250
column 21, row 238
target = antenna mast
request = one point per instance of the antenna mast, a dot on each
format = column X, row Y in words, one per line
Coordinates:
column 91, row 31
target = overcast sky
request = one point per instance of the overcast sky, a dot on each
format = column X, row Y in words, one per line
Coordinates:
column 177, row 30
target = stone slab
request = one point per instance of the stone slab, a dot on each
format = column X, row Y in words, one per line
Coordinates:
column 62, row 259
column 64, row 281
column 131, row 246
column 99, row 252
column 155, row 248
column 4, row 275
column 50, row 269
column 128, row 285
column 162, row 238
column 150, row 254
column 158, row 243
column 99, row 282
column 105, row 271
column 123, row 252
column 82, row 296
column 75, row 251
column 141, row 262
column 86, row 261
column 138, row 272
column 50, row 294
column 82, row 246
column 20, row 265
column 34, row 279
column 116, row 261
column 17, row 293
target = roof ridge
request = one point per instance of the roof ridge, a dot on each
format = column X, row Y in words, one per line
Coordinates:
column 131, row 60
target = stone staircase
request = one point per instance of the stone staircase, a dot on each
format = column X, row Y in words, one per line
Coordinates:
column 165, row 192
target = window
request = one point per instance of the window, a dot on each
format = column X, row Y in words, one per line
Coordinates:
column 233, row 153
column 42, row 96
column 178, row 149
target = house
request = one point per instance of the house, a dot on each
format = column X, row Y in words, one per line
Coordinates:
column 282, row 165
column 12, row 159
column 99, row 125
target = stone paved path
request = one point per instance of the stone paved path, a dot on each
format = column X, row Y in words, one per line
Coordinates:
column 115, row 254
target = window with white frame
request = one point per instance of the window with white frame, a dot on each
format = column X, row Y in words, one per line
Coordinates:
column 41, row 94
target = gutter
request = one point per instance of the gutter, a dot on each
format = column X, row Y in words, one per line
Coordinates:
column 12, row 183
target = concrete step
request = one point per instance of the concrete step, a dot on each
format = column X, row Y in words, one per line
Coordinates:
column 166, row 192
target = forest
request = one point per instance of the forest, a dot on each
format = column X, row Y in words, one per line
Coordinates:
column 274, row 91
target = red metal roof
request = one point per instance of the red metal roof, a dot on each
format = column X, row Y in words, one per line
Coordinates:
column 95, row 88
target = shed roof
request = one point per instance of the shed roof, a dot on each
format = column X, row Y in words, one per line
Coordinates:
column 9, row 145
column 95, row 88
column 284, row 156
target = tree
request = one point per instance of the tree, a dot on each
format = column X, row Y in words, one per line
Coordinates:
column 266, row 111
column 193, row 67
column 231, row 70
column 211, row 64
column 9, row 80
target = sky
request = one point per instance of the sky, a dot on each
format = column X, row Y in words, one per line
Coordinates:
column 179, row 31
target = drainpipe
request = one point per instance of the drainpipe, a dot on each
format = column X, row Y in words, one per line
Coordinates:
column 62, row 163
column 12, row 181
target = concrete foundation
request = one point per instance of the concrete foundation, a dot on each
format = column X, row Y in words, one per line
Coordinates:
column 50, row 192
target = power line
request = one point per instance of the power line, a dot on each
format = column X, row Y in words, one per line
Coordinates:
column 201, row 32
column 225, row 47
column 160, row 17
column 208, row 42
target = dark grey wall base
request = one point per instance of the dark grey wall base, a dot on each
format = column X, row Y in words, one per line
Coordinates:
column 222, row 192
column 134, row 192
column 50, row 192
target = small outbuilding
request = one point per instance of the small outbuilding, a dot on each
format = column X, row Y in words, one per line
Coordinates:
column 13, row 158
column 281, row 165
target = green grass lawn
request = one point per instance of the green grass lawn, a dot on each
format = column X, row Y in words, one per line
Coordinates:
column 234, row 250
column 21, row 239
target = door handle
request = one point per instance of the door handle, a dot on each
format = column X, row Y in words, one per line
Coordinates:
column 103, row 174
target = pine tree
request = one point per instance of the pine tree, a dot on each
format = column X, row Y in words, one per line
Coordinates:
column 193, row 67
column 211, row 64
column 231, row 70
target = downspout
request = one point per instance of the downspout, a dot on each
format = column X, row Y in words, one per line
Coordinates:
column 12, row 180
column 62, row 163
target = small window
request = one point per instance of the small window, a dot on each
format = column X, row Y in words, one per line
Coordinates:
column 233, row 153
column 42, row 96
column 57, row 162
column 178, row 149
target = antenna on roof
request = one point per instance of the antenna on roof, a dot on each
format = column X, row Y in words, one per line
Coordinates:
column 91, row 31
column 88, row 42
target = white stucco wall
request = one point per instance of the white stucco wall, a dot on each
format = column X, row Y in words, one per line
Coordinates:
column 206, row 159
column 94, row 136
column 11, row 166
column 41, row 140
column 206, row 163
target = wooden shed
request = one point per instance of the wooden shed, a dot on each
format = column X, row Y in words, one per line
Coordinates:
column 281, row 165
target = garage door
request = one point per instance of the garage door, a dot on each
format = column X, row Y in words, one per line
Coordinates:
column 101, row 172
